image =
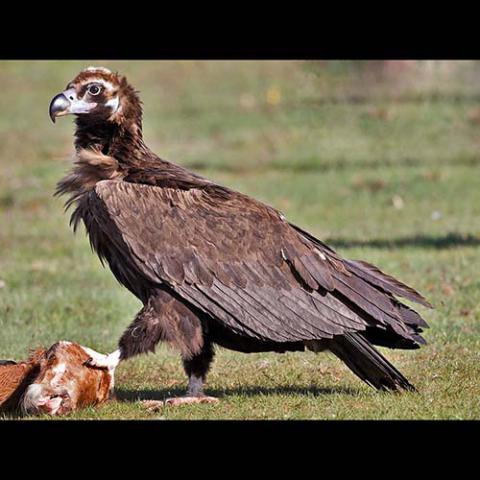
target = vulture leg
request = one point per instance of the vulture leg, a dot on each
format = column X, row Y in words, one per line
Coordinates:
column 163, row 318
column 196, row 368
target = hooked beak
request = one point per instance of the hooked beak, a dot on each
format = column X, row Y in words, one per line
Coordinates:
column 59, row 106
column 67, row 102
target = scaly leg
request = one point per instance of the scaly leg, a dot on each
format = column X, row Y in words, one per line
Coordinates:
column 196, row 368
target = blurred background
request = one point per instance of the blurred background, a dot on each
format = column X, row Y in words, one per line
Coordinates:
column 378, row 158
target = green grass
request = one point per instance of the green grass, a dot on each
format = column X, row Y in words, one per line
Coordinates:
column 392, row 179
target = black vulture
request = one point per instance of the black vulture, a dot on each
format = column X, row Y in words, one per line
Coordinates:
column 212, row 265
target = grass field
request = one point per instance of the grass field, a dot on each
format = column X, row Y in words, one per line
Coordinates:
column 386, row 174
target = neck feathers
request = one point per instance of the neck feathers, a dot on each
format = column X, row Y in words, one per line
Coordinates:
column 119, row 136
column 105, row 148
column 90, row 167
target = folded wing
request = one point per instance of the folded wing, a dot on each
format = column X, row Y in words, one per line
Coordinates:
column 241, row 262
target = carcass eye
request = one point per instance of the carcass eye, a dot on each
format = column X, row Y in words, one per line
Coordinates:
column 94, row 90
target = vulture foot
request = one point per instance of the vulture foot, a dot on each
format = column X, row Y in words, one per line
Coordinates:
column 157, row 405
column 189, row 400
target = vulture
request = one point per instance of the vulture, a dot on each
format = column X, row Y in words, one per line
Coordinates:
column 213, row 266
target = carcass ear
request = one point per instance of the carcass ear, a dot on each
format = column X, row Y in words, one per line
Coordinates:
column 51, row 356
column 36, row 355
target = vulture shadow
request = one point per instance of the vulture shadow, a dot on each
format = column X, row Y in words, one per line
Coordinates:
column 451, row 240
column 125, row 395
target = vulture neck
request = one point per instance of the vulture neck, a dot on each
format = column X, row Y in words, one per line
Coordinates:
column 122, row 140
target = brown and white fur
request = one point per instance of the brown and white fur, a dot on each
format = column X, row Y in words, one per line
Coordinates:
column 55, row 381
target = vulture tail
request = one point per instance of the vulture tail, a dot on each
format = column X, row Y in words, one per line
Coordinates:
column 367, row 363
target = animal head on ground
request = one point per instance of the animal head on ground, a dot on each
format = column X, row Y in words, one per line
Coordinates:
column 54, row 381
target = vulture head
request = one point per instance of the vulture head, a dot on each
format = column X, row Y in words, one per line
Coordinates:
column 97, row 95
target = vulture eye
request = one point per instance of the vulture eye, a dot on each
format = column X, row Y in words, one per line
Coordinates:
column 94, row 90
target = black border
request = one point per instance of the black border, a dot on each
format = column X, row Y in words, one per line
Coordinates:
column 298, row 37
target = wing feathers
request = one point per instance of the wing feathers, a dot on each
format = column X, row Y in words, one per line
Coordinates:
column 376, row 277
column 240, row 262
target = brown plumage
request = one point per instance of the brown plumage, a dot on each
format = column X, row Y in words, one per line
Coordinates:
column 214, row 266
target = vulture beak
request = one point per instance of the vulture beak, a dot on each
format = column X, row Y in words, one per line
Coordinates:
column 67, row 102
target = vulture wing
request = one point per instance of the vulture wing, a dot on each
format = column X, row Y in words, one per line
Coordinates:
column 241, row 262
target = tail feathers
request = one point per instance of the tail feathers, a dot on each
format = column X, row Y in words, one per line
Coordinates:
column 367, row 363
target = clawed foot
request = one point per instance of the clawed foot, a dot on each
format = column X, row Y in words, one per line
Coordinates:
column 156, row 405
column 190, row 400
column 153, row 405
